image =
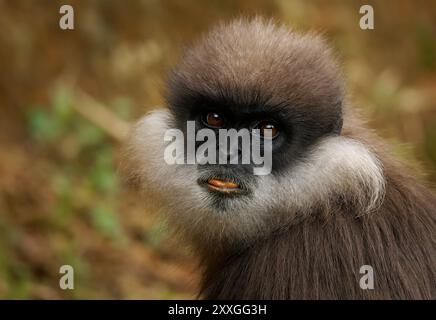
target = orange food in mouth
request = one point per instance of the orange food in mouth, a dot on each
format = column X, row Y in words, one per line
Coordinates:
column 222, row 184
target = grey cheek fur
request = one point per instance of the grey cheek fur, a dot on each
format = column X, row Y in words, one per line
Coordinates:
column 334, row 167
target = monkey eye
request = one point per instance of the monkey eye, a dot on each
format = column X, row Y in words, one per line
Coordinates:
column 213, row 120
column 264, row 125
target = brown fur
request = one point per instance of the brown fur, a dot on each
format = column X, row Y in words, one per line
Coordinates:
column 320, row 257
column 317, row 256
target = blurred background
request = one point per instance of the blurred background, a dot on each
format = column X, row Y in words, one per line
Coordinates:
column 67, row 98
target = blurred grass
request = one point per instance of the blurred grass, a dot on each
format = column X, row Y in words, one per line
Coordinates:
column 61, row 201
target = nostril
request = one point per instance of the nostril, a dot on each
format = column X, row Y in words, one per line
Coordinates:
column 234, row 156
column 231, row 154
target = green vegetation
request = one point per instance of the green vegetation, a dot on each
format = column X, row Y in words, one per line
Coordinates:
column 61, row 200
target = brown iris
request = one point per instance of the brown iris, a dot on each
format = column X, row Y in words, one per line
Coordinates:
column 214, row 120
column 265, row 125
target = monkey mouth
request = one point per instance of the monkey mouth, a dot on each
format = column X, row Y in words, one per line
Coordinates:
column 222, row 185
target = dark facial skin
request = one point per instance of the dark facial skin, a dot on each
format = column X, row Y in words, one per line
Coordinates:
column 294, row 133
column 293, row 138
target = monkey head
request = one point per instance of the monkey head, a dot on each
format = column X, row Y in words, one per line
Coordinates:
column 254, row 74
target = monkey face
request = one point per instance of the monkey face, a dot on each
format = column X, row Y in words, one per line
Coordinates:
column 227, row 182
column 240, row 78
